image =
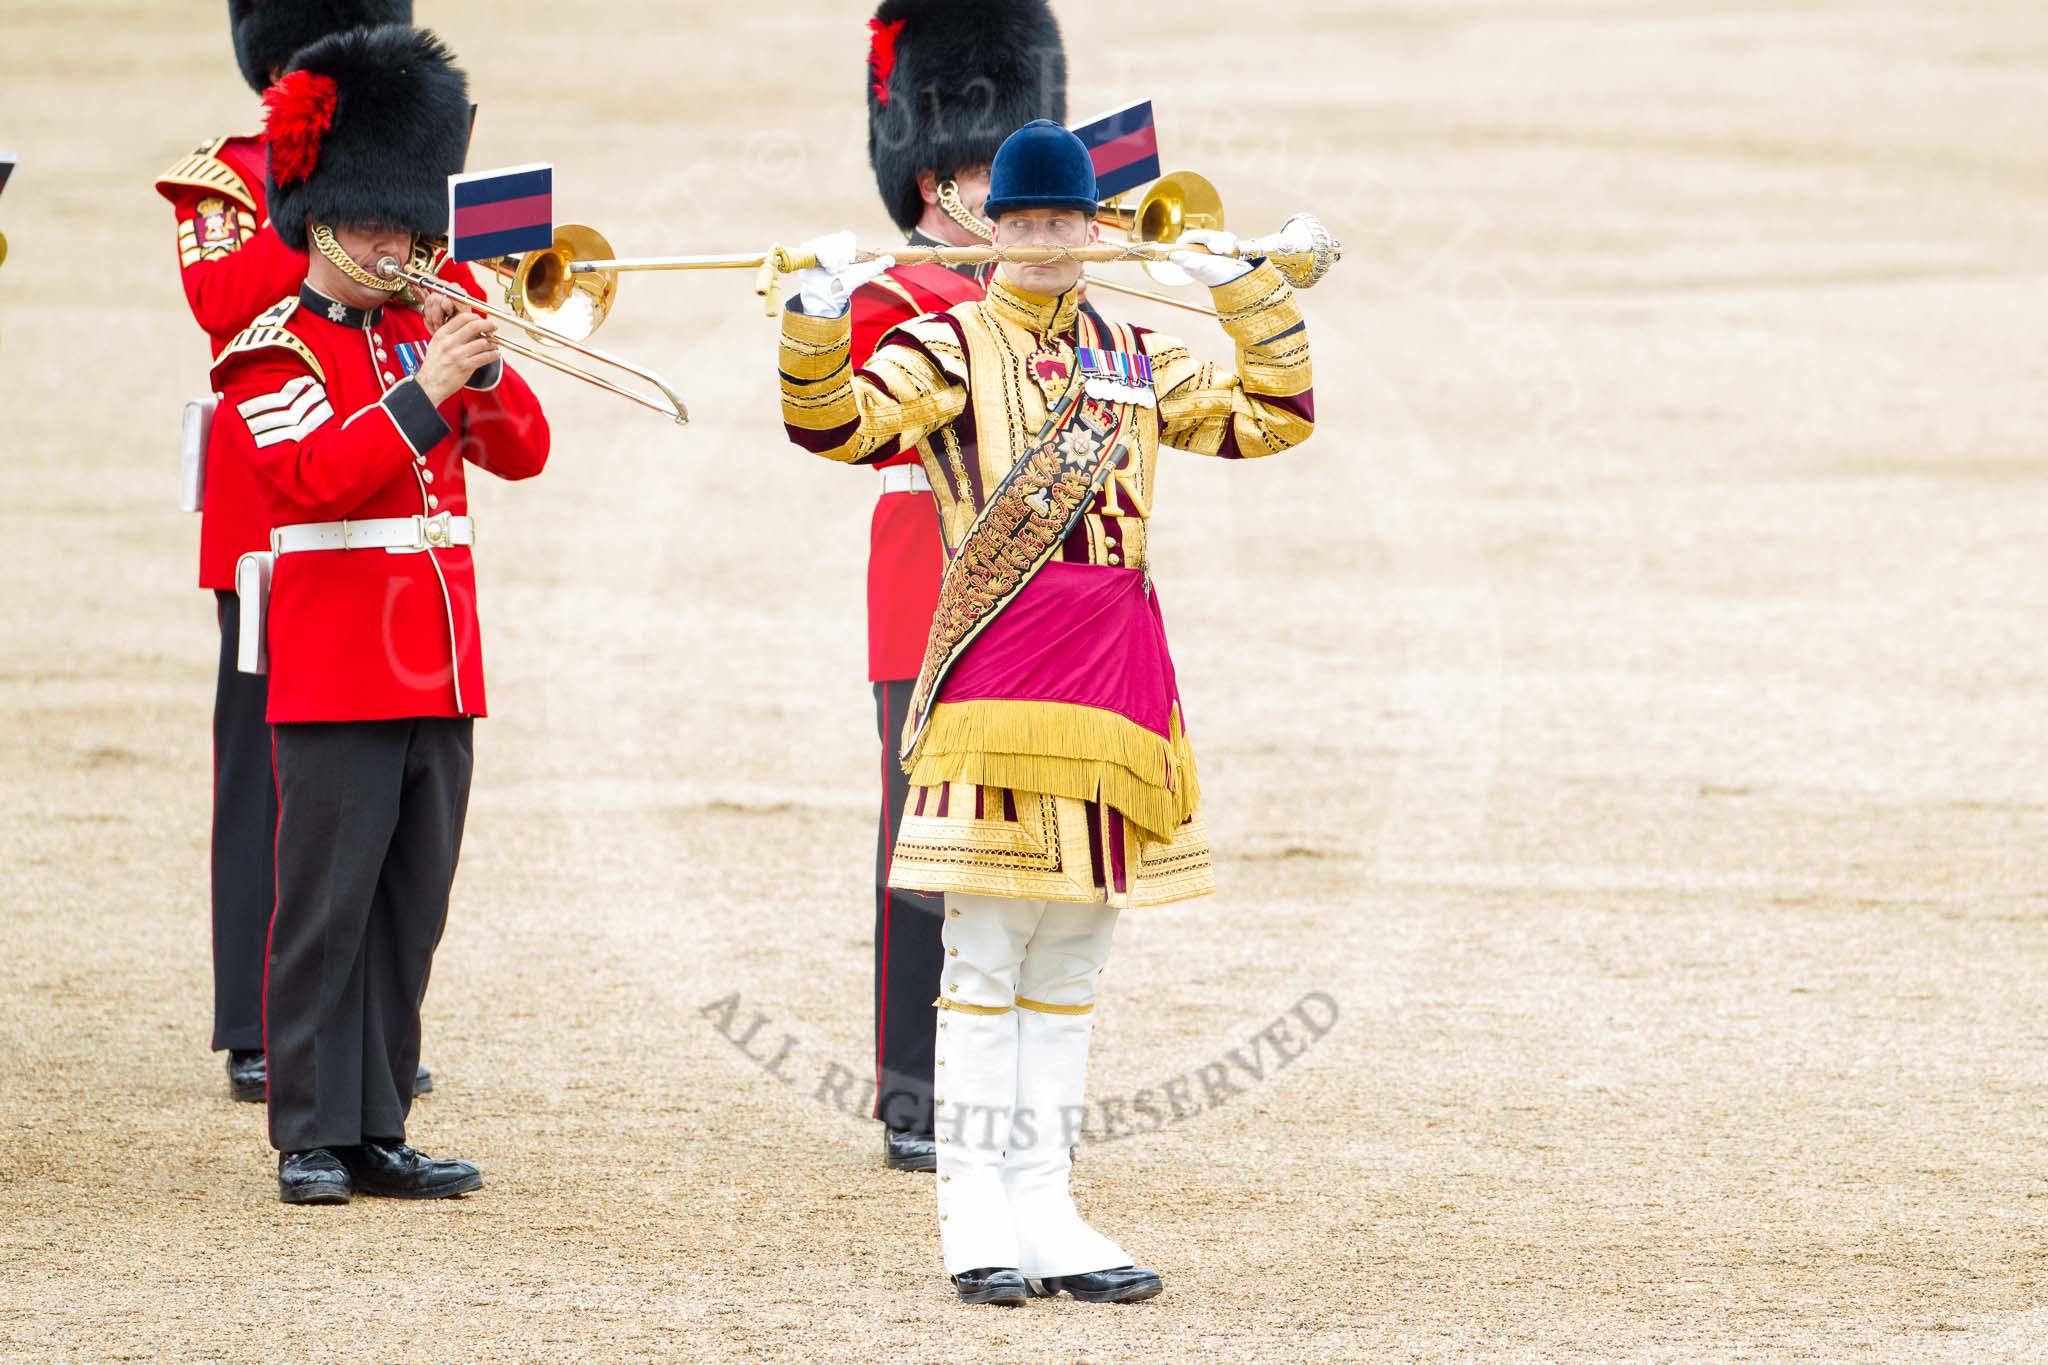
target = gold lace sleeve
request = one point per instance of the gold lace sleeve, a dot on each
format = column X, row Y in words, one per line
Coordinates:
column 1268, row 405
column 901, row 397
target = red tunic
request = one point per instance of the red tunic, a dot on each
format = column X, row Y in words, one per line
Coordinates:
column 906, row 558
column 233, row 266
column 320, row 409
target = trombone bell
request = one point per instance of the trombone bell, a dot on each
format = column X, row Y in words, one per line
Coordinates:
column 1177, row 201
column 542, row 288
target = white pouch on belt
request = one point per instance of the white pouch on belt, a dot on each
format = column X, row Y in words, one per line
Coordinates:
column 252, row 586
column 192, row 464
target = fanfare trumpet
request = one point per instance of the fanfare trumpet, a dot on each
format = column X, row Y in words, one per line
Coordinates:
column 555, row 309
column 1174, row 203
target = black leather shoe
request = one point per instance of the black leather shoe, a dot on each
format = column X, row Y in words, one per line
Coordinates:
column 248, row 1076
column 909, row 1151
column 396, row 1171
column 422, row 1081
column 991, row 1284
column 315, row 1177
column 1123, row 1284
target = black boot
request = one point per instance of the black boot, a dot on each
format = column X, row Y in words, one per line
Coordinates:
column 1123, row 1284
column 248, row 1075
column 396, row 1171
column 315, row 1177
column 422, row 1081
column 909, row 1151
column 991, row 1284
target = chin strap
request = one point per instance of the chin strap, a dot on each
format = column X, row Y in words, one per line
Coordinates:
column 322, row 238
column 949, row 200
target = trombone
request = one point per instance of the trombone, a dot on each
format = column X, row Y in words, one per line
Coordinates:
column 540, row 289
column 1177, row 201
column 1173, row 204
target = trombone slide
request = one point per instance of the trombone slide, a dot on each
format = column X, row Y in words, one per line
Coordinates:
column 670, row 406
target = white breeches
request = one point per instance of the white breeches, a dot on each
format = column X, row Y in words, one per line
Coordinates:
column 1017, row 996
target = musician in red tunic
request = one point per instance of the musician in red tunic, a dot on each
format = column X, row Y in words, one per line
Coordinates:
column 358, row 415
column 947, row 81
column 233, row 266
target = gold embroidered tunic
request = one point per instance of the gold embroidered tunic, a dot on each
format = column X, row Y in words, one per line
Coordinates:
column 1097, row 809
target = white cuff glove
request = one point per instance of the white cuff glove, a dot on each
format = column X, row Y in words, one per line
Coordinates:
column 826, row 288
column 1213, row 270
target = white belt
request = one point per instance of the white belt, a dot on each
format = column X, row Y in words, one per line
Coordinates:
column 393, row 535
column 905, row 478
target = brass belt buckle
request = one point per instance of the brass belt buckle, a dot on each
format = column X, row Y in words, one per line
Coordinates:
column 435, row 530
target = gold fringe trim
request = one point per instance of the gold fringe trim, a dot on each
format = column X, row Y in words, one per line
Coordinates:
column 1043, row 1007
column 1062, row 749
column 268, row 329
column 943, row 1003
column 205, row 170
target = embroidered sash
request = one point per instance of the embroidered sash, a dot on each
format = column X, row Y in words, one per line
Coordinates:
column 1020, row 527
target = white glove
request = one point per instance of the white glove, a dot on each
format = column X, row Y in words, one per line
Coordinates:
column 827, row 287
column 1202, row 267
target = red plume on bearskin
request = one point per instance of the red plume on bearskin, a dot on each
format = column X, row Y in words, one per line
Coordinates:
column 298, row 111
column 882, row 55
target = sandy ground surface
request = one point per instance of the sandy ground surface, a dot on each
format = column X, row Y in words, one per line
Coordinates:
column 1627, row 711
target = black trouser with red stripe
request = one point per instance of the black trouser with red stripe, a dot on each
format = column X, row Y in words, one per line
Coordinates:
column 244, row 836
column 908, row 955
column 369, row 829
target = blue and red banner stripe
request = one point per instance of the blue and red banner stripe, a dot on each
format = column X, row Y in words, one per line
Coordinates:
column 1124, row 145
column 501, row 213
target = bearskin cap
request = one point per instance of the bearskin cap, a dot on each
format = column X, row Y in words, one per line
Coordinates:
column 364, row 130
column 948, row 80
column 268, row 33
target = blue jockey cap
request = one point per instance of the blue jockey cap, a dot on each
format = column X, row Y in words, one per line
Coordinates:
column 1041, row 166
